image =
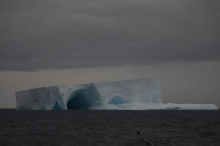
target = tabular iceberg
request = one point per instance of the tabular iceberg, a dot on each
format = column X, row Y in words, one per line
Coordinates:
column 138, row 94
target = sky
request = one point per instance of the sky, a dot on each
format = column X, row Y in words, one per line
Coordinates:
column 51, row 42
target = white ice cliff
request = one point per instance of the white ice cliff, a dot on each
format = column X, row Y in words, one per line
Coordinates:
column 139, row 94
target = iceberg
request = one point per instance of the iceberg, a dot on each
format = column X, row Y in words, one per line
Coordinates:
column 138, row 94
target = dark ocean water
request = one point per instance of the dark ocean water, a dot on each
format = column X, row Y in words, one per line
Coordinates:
column 112, row 128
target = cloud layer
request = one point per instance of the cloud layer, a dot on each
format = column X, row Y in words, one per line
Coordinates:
column 71, row 34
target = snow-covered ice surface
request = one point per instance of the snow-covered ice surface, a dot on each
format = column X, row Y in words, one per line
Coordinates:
column 138, row 94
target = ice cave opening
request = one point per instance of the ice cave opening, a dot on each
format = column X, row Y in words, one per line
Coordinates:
column 83, row 99
column 117, row 100
column 78, row 102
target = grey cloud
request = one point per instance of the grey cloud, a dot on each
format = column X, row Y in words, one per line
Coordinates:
column 71, row 34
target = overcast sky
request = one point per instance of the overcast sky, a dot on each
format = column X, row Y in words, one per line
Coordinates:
column 74, row 41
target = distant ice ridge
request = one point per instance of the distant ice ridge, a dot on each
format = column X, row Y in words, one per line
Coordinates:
column 138, row 94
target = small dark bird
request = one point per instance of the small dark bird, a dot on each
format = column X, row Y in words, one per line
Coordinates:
column 139, row 134
column 148, row 142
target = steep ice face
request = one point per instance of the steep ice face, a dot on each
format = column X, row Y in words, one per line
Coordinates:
column 33, row 99
column 139, row 94
column 44, row 98
column 133, row 91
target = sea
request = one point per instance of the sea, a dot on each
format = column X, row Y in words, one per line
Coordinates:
column 109, row 128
